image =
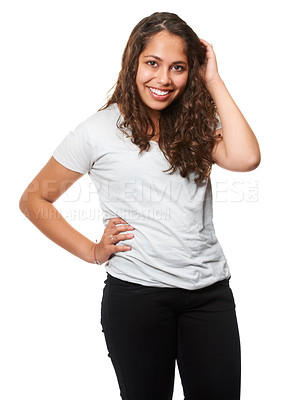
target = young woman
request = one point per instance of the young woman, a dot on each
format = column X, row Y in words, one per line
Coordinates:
column 149, row 152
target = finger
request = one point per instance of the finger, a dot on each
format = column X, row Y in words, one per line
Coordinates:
column 204, row 42
column 114, row 221
column 113, row 240
column 123, row 228
column 121, row 248
column 207, row 44
column 126, row 236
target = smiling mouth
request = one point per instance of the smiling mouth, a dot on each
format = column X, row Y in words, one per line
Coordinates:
column 159, row 92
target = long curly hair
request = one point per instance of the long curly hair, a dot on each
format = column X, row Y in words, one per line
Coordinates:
column 187, row 125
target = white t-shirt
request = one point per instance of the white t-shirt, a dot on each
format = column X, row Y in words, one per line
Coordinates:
column 175, row 243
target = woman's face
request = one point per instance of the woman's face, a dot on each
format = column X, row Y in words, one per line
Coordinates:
column 162, row 71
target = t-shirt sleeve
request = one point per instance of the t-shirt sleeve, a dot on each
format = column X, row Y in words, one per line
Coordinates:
column 219, row 126
column 76, row 152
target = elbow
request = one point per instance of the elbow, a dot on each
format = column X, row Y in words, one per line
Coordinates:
column 254, row 162
column 24, row 204
column 254, row 158
column 245, row 164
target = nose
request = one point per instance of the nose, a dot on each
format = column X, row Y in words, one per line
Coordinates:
column 163, row 77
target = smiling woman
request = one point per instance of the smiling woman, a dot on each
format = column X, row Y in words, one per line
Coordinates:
column 149, row 150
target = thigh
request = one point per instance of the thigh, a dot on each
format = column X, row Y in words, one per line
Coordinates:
column 208, row 355
column 140, row 334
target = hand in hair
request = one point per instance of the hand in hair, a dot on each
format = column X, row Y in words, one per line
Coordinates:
column 209, row 70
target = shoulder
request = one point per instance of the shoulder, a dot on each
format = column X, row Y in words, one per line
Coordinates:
column 103, row 119
column 97, row 128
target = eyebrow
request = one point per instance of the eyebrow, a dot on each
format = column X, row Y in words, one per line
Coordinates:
column 158, row 58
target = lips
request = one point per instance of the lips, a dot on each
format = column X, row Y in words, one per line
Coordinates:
column 159, row 91
column 159, row 94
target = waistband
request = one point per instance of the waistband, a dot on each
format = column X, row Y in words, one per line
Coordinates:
column 122, row 283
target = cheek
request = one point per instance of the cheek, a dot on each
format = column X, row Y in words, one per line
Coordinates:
column 181, row 82
column 143, row 75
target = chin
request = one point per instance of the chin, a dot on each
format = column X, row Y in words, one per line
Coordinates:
column 158, row 107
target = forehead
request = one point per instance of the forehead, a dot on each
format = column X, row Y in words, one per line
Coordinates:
column 166, row 45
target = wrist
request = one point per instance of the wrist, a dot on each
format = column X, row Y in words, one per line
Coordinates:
column 213, row 84
column 90, row 257
column 95, row 261
column 92, row 254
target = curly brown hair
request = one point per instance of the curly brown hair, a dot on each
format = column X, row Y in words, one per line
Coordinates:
column 191, row 117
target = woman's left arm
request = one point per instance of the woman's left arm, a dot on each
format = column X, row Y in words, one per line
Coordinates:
column 238, row 149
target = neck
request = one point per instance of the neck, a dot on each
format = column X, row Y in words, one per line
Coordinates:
column 155, row 117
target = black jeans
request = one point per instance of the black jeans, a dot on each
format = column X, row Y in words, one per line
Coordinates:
column 147, row 329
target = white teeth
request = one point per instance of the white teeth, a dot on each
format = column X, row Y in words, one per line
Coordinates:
column 159, row 92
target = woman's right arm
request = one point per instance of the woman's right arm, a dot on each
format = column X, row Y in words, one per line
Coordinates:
column 37, row 204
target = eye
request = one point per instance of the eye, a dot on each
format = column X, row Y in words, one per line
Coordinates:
column 178, row 68
column 152, row 63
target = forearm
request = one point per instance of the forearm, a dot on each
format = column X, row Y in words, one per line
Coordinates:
column 52, row 224
column 238, row 137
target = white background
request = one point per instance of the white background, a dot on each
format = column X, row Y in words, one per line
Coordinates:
column 58, row 60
